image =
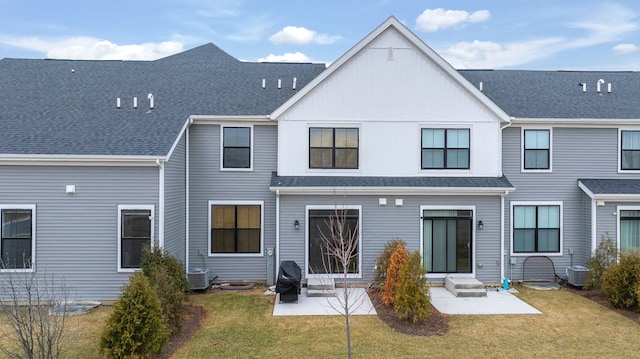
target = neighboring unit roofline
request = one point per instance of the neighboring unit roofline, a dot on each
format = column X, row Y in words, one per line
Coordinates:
column 575, row 121
column 80, row 160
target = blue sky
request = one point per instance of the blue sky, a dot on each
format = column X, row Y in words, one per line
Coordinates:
column 540, row 34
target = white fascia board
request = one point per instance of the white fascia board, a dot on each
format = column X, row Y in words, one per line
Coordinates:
column 585, row 189
column 216, row 119
column 177, row 140
column 416, row 41
column 613, row 197
column 80, row 160
column 572, row 122
column 440, row 191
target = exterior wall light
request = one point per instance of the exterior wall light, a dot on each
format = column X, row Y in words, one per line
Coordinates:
column 480, row 225
column 296, row 224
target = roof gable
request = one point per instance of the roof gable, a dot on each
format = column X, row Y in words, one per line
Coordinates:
column 381, row 39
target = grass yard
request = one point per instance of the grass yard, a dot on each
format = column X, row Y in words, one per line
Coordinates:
column 240, row 325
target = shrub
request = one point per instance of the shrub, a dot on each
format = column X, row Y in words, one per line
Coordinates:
column 167, row 277
column 136, row 327
column 382, row 264
column 397, row 261
column 605, row 255
column 620, row 281
column 412, row 290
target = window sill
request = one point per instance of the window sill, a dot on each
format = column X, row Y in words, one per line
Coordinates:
column 235, row 255
column 537, row 254
column 16, row 270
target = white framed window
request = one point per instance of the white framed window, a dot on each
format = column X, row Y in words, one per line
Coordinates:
column 135, row 232
column 320, row 220
column 236, row 148
column 334, row 147
column 536, row 228
column 537, row 151
column 446, row 148
column 17, row 237
column 628, row 228
column 236, row 228
column 629, row 150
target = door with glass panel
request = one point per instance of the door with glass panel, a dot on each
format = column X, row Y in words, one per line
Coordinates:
column 630, row 230
column 447, row 241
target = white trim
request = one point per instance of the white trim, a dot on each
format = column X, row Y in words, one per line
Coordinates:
column 503, row 251
column 333, row 126
column 616, row 197
column 124, row 207
column 236, row 203
column 437, row 61
column 177, row 141
column 31, row 207
column 594, row 221
column 618, row 210
column 306, row 239
column 537, row 203
column 79, row 160
column 442, row 191
column 217, row 120
column 619, row 156
column 277, row 266
column 522, row 149
column 233, row 169
column 161, row 205
column 473, row 238
column 187, row 200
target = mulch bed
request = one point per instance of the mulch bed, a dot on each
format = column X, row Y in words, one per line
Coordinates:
column 194, row 317
column 599, row 297
column 435, row 324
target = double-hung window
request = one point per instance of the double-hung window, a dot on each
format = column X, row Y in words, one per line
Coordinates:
column 537, row 149
column 236, row 147
column 236, row 228
column 17, row 237
column 445, row 148
column 537, row 228
column 135, row 227
column 630, row 150
column 335, row 148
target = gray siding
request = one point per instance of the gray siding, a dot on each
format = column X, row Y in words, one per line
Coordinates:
column 207, row 182
column 383, row 223
column 175, row 202
column 577, row 153
column 77, row 234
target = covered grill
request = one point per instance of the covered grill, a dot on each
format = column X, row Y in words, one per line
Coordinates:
column 288, row 284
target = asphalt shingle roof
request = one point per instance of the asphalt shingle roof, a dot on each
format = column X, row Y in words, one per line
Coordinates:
column 69, row 106
column 612, row 186
column 558, row 94
column 417, row 182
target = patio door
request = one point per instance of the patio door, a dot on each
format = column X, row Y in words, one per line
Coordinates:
column 331, row 224
column 448, row 241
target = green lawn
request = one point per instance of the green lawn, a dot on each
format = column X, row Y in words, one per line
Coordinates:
column 240, row 325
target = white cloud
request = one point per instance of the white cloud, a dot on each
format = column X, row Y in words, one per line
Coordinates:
column 625, row 48
column 89, row 48
column 294, row 35
column 287, row 57
column 437, row 19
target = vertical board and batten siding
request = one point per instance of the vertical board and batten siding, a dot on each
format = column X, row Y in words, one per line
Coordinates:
column 175, row 202
column 77, row 234
column 577, row 153
column 383, row 223
column 207, row 183
column 389, row 100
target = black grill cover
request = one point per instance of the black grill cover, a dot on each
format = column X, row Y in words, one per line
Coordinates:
column 289, row 277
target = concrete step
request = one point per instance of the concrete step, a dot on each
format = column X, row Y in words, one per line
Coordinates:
column 327, row 284
column 321, row 293
column 465, row 287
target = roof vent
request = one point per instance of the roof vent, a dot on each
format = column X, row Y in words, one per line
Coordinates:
column 584, row 86
column 118, row 102
column 264, row 83
column 295, row 80
column 480, row 86
column 135, row 102
column 150, row 97
column 279, row 84
column 600, row 82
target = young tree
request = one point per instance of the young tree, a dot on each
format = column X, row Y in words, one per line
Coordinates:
column 412, row 291
column 340, row 250
column 26, row 300
column 605, row 255
column 382, row 264
column 398, row 260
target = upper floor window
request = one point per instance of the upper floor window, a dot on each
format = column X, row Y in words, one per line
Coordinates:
column 236, row 228
column 135, row 232
column 445, row 148
column 17, row 237
column 333, row 148
column 536, row 228
column 537, row 149
column 630, row 150
column 236, row 147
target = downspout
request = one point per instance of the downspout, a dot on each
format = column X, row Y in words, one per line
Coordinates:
column 160, row 165
column 593, row 226
column 502, row 249
column 277, row 266
column 187, row 195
